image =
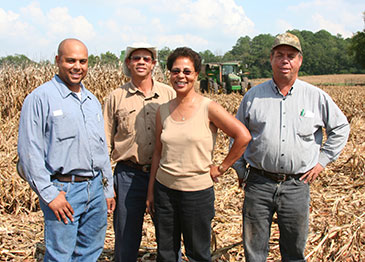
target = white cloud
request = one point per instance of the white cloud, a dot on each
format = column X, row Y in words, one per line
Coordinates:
column 177, row 40
column 10, row 24
column 222, row 16
column 283, row 25
column 335, row 16
column 33, row 12
column 61, row 24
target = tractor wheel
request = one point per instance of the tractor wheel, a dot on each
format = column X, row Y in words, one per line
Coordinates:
column 228, row 84
column 203, row 85
column 244, row 85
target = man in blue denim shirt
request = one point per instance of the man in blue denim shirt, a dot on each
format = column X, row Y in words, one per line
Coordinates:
column 64, row 156
column 285, row 117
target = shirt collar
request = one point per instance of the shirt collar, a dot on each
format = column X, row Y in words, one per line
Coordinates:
column 134, row 90
column 65, row 91
column 277, row 91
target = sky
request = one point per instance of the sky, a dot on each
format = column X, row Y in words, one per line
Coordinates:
column 35, row 28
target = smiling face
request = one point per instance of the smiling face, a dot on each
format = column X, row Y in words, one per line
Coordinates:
column 285, row 63
column 72, row 62
column 183, row 75
column 140, row 68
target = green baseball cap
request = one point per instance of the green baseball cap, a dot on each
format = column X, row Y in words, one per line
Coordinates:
column 287, row 39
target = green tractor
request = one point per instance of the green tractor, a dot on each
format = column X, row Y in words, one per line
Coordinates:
column 224, row 78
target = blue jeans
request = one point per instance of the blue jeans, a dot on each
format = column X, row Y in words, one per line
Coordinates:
column 186, row 213
column 83, row 239
column 131, row 187
column 290, row 200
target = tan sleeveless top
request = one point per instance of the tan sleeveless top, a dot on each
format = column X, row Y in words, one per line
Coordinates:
column 187, row 150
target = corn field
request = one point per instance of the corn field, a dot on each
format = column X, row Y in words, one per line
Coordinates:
column 337, row 218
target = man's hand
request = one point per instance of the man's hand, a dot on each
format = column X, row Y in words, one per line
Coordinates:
column 62, row 208
column 312, row 174
column 110, row 203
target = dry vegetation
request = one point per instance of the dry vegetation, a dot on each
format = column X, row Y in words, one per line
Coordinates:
column 337, row 227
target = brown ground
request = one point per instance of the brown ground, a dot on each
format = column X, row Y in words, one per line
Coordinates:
column 337, row 227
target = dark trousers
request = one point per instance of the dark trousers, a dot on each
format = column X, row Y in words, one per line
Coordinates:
column 186, row 213
column 290, row 200
column 131, row 191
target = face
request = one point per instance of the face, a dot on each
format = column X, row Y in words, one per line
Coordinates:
column 183, row 75
column 285, row 62
column 140, row 63
column 72, row 62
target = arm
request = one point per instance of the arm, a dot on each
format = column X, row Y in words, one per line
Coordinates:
column 31, row 143
column 234, row 129
column 109, row 122
column 337, row 130
column 240, row 164
column 109, row 129
column 155, row 163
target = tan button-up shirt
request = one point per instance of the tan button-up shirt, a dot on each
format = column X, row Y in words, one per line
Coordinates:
column 130, row 118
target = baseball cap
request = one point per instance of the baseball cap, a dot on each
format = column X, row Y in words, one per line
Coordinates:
column 287, row 39
column 130, row 49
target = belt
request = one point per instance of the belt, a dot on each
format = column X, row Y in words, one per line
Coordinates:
column 277, row 177
column 143, row 168
column 68, row 177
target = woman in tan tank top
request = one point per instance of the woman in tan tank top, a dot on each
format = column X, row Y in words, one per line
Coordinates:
column 180, row 194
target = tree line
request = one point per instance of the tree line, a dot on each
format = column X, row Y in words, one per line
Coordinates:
column 323, row 53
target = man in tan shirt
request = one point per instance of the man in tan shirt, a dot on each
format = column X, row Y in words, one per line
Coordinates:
column 130, row 113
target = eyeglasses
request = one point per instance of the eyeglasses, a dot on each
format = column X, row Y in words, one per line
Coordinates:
column 176, row 71
column 137, row 58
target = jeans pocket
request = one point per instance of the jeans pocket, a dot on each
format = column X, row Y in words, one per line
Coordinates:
column 298, row 182
column 62, row 186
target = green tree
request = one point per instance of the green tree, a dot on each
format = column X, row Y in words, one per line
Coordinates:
column 109, row 59
column 163, row 54
column 357, row 46
column 208, row 57
column 17, row 60
column 93, row 60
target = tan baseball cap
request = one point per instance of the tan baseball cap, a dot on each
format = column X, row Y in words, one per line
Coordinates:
column 287, row 39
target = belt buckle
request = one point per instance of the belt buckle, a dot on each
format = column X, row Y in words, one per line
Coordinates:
column 281, row 177
column 146, row 168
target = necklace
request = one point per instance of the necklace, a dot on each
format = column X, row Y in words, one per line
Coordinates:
column 182, row 115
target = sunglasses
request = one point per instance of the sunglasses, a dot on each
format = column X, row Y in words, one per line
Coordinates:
column 176, row 71
column 137, row 58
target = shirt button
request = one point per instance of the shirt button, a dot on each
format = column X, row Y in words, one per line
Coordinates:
column 284, row 126
column 281, row 167
column 148, row 128
column 283, row 140
column 282, row 154
column 148, row 113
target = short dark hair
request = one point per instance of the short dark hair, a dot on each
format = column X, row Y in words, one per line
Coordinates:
column 185, row 52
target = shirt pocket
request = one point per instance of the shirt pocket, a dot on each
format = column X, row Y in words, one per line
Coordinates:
column 65, row 128
column 126, row 120
column 305, row 128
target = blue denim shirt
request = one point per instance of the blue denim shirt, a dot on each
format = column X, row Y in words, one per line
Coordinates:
column 58, row 132
column 287, row 130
